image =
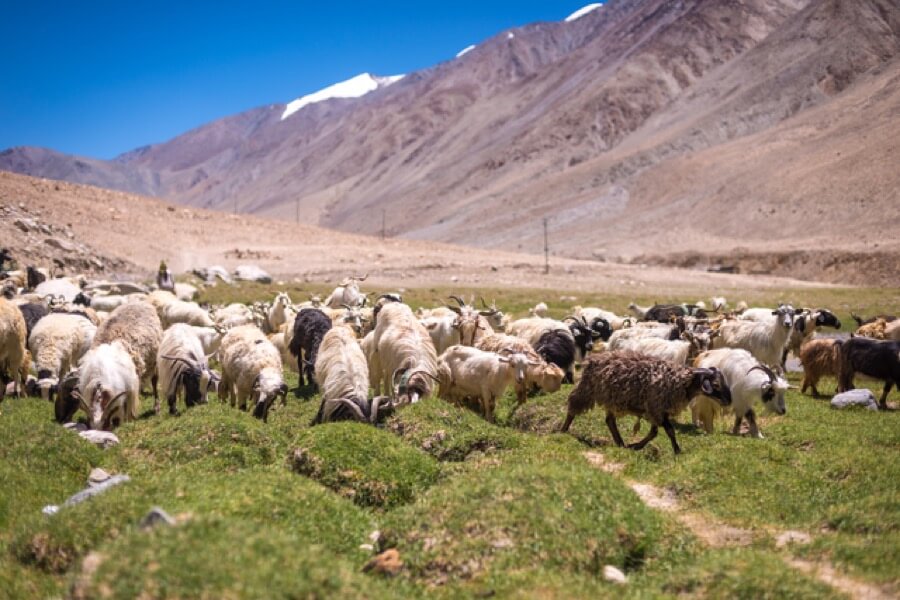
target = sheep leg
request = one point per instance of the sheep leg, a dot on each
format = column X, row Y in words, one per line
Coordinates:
column 754, row 430
column 887, row 390
column 640, row 445
column 736, row 430
column 570, row 416
column 670, row 431
column 614, row 430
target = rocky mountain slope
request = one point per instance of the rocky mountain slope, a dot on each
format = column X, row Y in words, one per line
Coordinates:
column 641, row 129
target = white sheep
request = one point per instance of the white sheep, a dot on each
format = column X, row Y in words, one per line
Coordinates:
column 109, row 386
column 107, row 303
column 57, row 343
column 621, row 338
column 442, row 331
column 404, row 348
column 465, row 372
column 539, row 310
column 678, row 351
column 749, row 382
column 190, row 313
column 280, row 312
column 367, row 345
column 210, row 337
column 12, row 345
column 765, row 340
column 182, row 367
column 347, row 293
column 251, row 370
column 546, row 376
column 341, row 369
column 532, row 328
column 137, row 326
column 233, row 315
column 277, row 340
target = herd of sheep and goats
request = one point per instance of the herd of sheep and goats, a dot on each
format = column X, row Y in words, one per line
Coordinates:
column 90, row 346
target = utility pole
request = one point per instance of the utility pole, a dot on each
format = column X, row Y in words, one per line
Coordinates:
column 382, row 223
column 235, row 204
column 546, row 250
column 297, row 205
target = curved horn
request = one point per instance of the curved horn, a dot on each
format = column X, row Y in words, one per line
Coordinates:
column 363, row 278
column 459, row 300
column 427, row 373
column 178, row 359
column 483, row 303
column 455, row 309
column 772, row 377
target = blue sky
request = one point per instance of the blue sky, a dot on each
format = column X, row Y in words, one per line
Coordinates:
column 99, row 78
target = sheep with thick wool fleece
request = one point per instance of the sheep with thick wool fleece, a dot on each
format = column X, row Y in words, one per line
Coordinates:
column 251, row 370
column 341, row 368
column 750, row 383
column 13, row 334
column 109, row 386
column 464, row 371
column 678, row 351
column 546, row 376
column 190, row 313
column 57, row 343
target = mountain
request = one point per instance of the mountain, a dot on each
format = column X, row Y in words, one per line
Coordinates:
column 651, row 130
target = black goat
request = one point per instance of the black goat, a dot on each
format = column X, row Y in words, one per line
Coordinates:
column 5, row 257
column 555, row 347
column 68, row 397
column 34, row 278
column 665, row 313
column 310, row 326
column 584, row 336
column 33, row 312
column 876, row 359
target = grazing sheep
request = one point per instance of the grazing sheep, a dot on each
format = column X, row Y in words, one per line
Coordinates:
column 404, row 348
column 182, row 367
column 640, row 312
column 210, row 337
column 179, row 311
column 819, row 357
column 367, row 345
column 137, row 326
column 749, row 382
column 678, row 352
column 57, row 343
column 625, row 383
column 547, row 377
column 310, row 326
column 465, row 372
column 68, row 397
column 539, row 310
column 665, row 313
column 233, row 315
column 765, row 339
column 109, row 385
column 13, row 332
column 873, row 358
column 287, row 360
column 251, row 370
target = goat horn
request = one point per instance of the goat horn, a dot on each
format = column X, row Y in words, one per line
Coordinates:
column 483, row 303
column 765, row 370
column 177, row 359
column 459, row 300
column 455, row 309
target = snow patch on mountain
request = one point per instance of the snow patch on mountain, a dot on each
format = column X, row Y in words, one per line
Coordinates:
column 583, row 11
column 465, row 50
column 354, row 87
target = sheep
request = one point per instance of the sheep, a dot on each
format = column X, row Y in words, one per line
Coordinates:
column 367, row 345
column 620, row 339
column 678, row 352
column 287, row 360
column 719, row 304
column 598, row 327
column 442, row 330
column 182, row 365
column 310, row 326
column 57, row 343
column 640, row 312
column 280, row 312
column 539, row 310
column 548, row 377
column 590, row 314
column 251, row 369
column 13, row 334
column 66, row 287
column 210, row 337
column 179, row 311
column 233, row 315
column 137, row 326
column 33, row 312
column 873, row 358
column 819, row 357
column 805, row 325
column 347, row 293
column 625, row 383
column 464, row 371
column 749, row 382
column 764, row 340
column 107, row 303
column 109, row 385
column 405, row 349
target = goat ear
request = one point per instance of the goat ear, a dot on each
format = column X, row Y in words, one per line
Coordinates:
column 707, row 386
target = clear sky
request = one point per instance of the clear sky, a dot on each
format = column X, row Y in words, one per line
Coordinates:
column 98, row 78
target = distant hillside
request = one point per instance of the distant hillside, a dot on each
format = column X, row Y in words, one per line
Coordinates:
column 642, row 128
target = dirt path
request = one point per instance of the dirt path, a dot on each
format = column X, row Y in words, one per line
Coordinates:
column 717, row 534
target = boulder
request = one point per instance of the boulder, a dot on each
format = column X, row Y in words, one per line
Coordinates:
column 858, row 397
column 209, row 274
column 252, row 273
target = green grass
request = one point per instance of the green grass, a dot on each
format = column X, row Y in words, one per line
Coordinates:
column 511, row 509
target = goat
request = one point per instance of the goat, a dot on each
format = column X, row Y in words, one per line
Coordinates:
column 873, row 358
column 310, row 326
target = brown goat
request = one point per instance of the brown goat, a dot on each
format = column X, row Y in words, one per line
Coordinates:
column 819, row 357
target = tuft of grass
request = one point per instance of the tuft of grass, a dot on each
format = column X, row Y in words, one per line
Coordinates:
column 448, row 432
column 368, row 465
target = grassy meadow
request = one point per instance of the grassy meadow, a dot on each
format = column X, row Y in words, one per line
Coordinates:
column 513, row 509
